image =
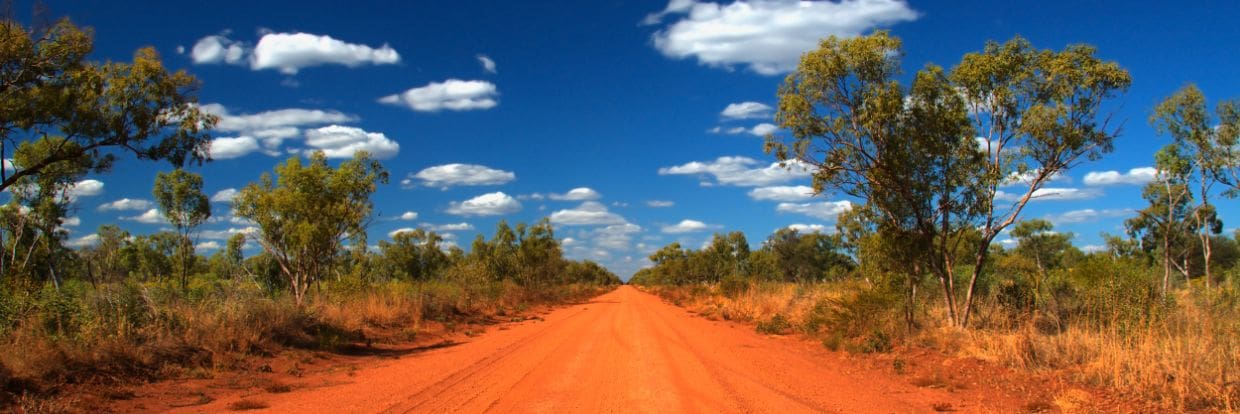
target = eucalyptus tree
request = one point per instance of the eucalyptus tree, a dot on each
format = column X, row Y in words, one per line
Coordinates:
column 930, row 159
column 306, row 212
column 182, row 202
column 1166, row 223
column 38, row 207
column 89, row 113
column 1208, row 148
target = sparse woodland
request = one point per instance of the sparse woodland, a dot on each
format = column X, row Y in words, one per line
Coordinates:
column 941, row 170
column 144, row 307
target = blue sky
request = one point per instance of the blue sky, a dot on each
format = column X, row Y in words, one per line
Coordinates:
column 649, row 109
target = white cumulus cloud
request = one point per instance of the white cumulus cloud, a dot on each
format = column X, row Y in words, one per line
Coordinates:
column 810, row 228
column 689, row 226
column 1136, row 176
column 342, row 142
column 766, row 36
column 290, row 52
column 740, row 171
column 408, row 216
column 1051, row 193
column 490, row 204
column 439, row 228
column 826, row 210
column 224, row 196
column 84, row 241
column 782, row 193
column 747, row 110
column 151, row 216
column 86, row 188
column 233, row 147
column 1089, row 215
column 219, row 49
column 126, row 204
column 457, row 174
column 273, row 120
column 577, row 194
column 452, row 95
column 590, row 213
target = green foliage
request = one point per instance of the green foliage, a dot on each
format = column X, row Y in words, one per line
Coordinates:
column 182, row 202
column 98, row 110
column 910, row 153
column 306, row 212
column 777, row 325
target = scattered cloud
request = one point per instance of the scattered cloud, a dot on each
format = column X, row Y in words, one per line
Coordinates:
column 274, row 122
column 487, row 64
column 343, row 142
column 393, row 233
column 84, row 241
column 452, row 95
column 1093, row 248
column 227, row 233
column 760, row 130
column 660, row 203
column 1051, row 193
column 233, row 147
column 289, row 52
column 747, row 110
column 224, row 196
column 765, row 36
column 1088, row 215
column 615, row 237
column 440, row 228
column 86, row 188
column 811, row 228
column 740, row 171
column 408, row 216
column 577, row 194
column 207, row 246
column 589, row 213
column 689, row 226
column 452, row 175
column 490, row 204
column 1135, row 176
column 126, row 204
column 782, row 193
column 217, row 49
column 266, row 131
column 71, row 221
column 1027, row 177
column 826, row 210
column 151, row 216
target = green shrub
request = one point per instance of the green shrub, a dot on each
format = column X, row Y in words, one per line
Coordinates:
column 777, row 325
column 733, row 285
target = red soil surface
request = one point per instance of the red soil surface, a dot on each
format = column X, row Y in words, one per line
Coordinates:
column 625, row 351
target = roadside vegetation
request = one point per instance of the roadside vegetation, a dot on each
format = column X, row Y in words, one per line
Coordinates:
column 935, row 251
column 143, row 307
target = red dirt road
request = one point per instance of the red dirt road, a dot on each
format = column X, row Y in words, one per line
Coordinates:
column 625, row 351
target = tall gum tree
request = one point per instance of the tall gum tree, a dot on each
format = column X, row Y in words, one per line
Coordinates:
column 1210, row 150
column 185, row 206
column 931, row 159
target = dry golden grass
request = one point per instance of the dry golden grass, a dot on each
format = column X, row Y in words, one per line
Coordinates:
column 1189, row 360
column 139, row 333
